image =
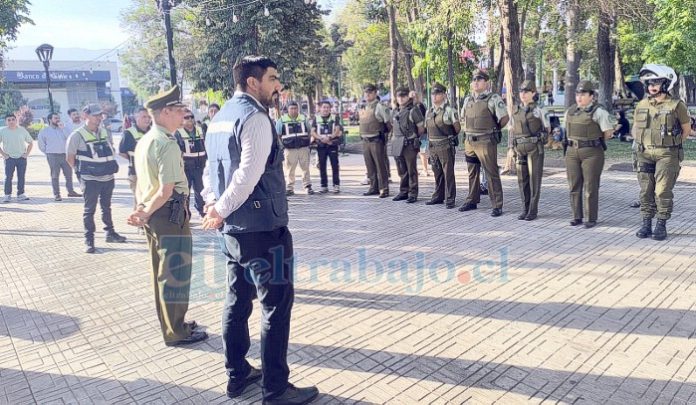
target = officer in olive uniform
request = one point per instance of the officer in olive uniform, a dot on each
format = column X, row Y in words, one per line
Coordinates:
column 442, row 124
column 374, row 126
column 660, row 125
column 295, row 131
column 484, row 114
column 588, row 125
column 529, row 130
column 191, row 142
column 162, row 194
column 407, row 125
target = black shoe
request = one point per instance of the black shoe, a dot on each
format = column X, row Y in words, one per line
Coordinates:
column 411, row 200
column 449, row 206
column 309, row 190
column 484, row 191
column 294, row 396
column 371, row 193
column 191, row 324
column 89, row 248
column 635, row 204
column 58, row 198
column 400, row 197
column 660, row 232
column 74, row 194
column 522, row 216
column 467, row 207
column 590, row 224
column 434, row 202
column 113, row 237
column 196, row 336
column 289, row 193
column 646, row 229
column 496, row 212
column 530, row 217
column 576, row 222
column 384, row 194
column 235, row 387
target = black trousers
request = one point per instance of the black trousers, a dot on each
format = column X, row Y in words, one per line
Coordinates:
column 93, row 192
column 11, row 164
column 330, row 152
column 194, row 175
column 259, row 264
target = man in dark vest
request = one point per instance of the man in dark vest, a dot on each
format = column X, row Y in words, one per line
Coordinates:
column 407, row 125
column 443, row 127
column 660, row 125
column 484, row 114
column 375, row 120
column 90, row 152
column 126, row 148
column 192, row 144
column 249, row 207
column 327, row 133
column 588, row 124
column 294, row 130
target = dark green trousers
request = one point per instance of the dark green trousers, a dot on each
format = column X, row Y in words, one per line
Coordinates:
column 171, row 251
column 485, row 149
column 584, row 169
column 658, row 170
column 407, row 167
column 442, row 162
column 530, row 168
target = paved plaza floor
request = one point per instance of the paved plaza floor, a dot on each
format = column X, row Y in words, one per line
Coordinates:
column 395, row 303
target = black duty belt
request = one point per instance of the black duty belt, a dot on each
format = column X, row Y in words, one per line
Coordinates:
column 526, row 139
column 585, row 144
column 662, row 146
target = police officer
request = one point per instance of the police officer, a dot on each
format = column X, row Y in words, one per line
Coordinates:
column 660, row 125
column 162, row 194
column 130, row 138
column 484, row 114
column 192, row 145
column 529, row 130
column 375, row 120
column 327, row 132
column 408, row 124
column 588, row 125
column 90, row 152
column 442, row 124
column 294, row 130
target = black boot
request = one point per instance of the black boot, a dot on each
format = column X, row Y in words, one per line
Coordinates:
column 646, row 229
column 660, row 232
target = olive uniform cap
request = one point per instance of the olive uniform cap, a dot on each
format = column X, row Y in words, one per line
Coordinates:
column 402, row 91
column 92, row 109
column 480, row 73
column 438, row 88
column 169, row 98
column 369, row 87
column 528, row 85
column 585, row 86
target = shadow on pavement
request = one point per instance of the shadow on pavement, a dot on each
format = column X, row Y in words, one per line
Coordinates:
column 36, row 326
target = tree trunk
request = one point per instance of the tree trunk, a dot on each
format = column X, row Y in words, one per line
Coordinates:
column 619, row 80
column 606, row 65
column 310, row 103
column 412, row 17
column 531, row 57
column 319, row 89
column 499, row 73
column 490, row 34
column 408, row 60
column 450, row 70
column 513, row 51
column 394, row 49
column 573, row 55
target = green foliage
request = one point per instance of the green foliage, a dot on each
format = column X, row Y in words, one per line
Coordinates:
column 674, row 37
column 35, row 128
column 10, row 100
column 13, row 13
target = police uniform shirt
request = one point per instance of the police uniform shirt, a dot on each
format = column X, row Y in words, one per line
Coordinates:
column 450, row 115
column 158, row 161
column 538, row 112
column 382, row 113
column 496, row 105
column 77, row 143
column 601, row 116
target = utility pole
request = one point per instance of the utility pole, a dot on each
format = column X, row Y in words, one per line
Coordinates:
column 166, row 6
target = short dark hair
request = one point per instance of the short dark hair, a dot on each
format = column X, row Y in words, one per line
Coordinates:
column 216, row 105
column 10, row 115
column 50, row 115
column 325, row 102
column 72, row 110
column 251, row 66
column 139, row 109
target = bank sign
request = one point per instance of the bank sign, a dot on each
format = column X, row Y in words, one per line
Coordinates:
column 33, row 76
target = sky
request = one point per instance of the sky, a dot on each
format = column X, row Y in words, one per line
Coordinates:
column 92, row 24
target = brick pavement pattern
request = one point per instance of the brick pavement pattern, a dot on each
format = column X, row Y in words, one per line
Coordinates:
column 395, row 303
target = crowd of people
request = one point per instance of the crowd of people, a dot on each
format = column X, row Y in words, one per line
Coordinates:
column 239, row 165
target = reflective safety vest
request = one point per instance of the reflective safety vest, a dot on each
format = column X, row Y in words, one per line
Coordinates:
column 325, row 126
column 193, row 147
column 99, row 158
column 657, row 124
column 295, row 132
column 580, row 126
column 136, row 135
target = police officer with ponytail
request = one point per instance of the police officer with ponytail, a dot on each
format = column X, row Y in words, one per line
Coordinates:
column 408, row 124
column 529, row 130
column 192, row 144
column 660, row 125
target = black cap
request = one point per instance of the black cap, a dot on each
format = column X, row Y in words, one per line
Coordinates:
column 480, row 73
column 293, row 103
column 369, row 87
column 402, row 91
column 169, row 98
column 438, row 88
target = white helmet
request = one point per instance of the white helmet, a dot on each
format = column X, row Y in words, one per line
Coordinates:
column 658, row 71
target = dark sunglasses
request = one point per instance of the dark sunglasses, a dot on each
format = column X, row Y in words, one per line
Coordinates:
column 655, row 82
column 188, row 117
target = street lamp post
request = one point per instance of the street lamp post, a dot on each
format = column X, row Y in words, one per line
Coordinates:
column 45, row 53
